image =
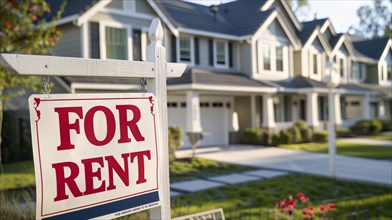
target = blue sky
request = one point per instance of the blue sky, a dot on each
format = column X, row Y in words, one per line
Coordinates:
column 342, row 13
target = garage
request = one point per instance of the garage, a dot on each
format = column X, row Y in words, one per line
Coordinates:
column 214, row 114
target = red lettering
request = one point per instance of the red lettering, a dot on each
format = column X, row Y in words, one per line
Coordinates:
column 89, row 125
column 90, row 174
column 122, row 173
column 131, row 124
column 140, row 161
column 66, row 126
column 61, row 180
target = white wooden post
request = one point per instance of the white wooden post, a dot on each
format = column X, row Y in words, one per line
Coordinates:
column 312, row 109
column 156, row 53
column 155, row 70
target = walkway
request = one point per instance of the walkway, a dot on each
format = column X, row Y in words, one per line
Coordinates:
column 350, row 168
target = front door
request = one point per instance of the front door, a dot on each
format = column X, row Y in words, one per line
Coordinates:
column 302, row 109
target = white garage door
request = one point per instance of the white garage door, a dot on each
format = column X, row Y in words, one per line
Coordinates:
column 214, row 112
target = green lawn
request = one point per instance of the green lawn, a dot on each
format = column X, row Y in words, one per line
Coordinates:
column 17, row 175
column 382, row 137
column 344, row 148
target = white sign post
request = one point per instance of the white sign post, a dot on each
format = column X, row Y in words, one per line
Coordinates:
column 101, row 155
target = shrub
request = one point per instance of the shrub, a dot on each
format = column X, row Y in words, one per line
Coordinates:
column 301, row 124
column 375, row 126
column 295, row 134
column 175, row 140
column 285, row 137
column 320, row 136
column 343, row 132
column 306, row 132
column 387, row 125
column 361, row 128
column 275, row 140
column 255, row 136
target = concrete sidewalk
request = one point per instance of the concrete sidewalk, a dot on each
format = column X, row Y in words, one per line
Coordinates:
column 350, row 168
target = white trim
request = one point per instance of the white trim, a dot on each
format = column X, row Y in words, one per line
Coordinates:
column 226, row 48
column 172, row 28
column 84, row 37
column 65, row 20
column 343, row 40
column 386, row 50
column 221, row 88
column 83, row 18
column 267, row 5
column 337, row 46
column 291, row 15
column 192, row 50
column 326, row 25
column 102, row 37
column 103, row 86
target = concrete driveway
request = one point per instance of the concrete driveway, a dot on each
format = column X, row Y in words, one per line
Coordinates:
column 350, row 168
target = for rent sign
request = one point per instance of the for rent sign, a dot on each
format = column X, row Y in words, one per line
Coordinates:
column 94, row 155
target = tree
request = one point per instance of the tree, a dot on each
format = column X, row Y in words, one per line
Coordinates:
column 374, row 21
column 300, row 7
column 24, row 30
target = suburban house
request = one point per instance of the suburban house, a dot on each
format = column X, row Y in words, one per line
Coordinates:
column 250, row 63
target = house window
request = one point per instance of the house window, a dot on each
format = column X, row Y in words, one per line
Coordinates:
column 355, row 70
column 315, row 64
column 185, row 49
column 279, row 58
column 221, row 53
column 341, row 67
column 116, row 43
column 266, row 57
column 389, row 72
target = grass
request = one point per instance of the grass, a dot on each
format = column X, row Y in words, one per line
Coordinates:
column 344, row 148
column 381, row 137
column 17, row 175
column 259, row 197
column 190, row 168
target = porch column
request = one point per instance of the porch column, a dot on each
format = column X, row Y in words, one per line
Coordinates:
column 366, row 107
column 381, row 109
column 253, row 111
column 268, row 113
column 193, row 123
column 312, row 110
column 338, row 112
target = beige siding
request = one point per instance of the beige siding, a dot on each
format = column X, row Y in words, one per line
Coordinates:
column 144, row 7
column 246, row 58
column 70, row 43
column 297, row 63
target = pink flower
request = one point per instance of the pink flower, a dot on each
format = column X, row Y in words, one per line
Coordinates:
column 323, row 209
column 331, row 206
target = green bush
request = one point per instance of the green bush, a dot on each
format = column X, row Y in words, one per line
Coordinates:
column 343, row 132
column 387, row 125
column 320, row 136
column 285, row 137
column 275, row 140
column 257, row 136
column 361, row 128
column 175, row 140
column 295, row 134
column 375, row 126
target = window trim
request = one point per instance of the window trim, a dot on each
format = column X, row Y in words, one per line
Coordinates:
column 226, row 52
column 192, row 51
column 102, row 37
column 311, row 59
column 276, row 58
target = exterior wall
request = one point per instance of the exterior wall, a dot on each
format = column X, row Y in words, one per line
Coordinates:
column 138, row 23
column 242, row 107
column 70, row 43
column 143, row 7
column 383, row 70
column 246, row 58
column 297, row 63
column 117, row 4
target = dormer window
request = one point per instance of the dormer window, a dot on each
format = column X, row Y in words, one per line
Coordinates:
column 389, row 72
column 266, row 57
column 341, row 67
column 279, row 58
column 315, row 64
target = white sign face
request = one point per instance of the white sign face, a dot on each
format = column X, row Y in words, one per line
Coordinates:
column 94, row 154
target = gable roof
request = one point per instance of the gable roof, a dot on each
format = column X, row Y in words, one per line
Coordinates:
column 308, row 28
column 71, row 8
column 372, row 48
